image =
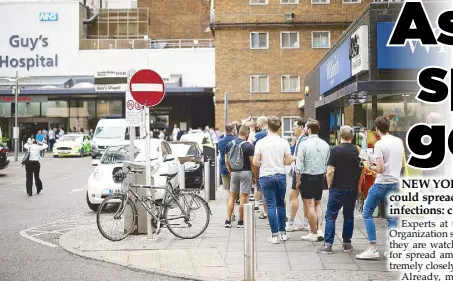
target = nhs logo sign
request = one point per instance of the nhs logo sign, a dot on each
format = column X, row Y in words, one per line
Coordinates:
column 48, row 16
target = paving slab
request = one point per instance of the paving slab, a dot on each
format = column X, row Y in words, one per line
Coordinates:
column 218, row 254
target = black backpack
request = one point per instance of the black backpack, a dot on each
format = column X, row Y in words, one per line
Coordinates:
column 26, row 158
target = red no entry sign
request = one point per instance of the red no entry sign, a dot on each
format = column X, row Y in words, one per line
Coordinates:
column 147, row 87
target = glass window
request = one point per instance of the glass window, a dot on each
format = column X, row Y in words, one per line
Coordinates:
column 289, row 1
column 5, row 110
column 351, row 1
column 81, row 108
column 259, row 83
column 58, row 108
column 259, row 40
column 320, row 1
column 287, row 128
column 110, row 132
column 109, row 108
column 29, row 109
column 289, row 40
column 290, row 83
column 167, row 147
column 320, row 39
column 258, row 2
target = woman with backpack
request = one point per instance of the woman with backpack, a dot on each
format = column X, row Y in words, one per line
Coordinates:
column 32, row 165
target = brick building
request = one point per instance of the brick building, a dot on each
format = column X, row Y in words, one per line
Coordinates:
column 264, row 49
column 178, row 19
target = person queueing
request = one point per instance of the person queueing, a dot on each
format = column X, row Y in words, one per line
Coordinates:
column 272, row 153
column 225, row 174
column 238, row 159
column 343, row 176
column 299, row 132
column 388, row 155
column 33, row 167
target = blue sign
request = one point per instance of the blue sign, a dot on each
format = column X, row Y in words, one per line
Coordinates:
column 336, row 69
column 48, row 16
column 411, row 56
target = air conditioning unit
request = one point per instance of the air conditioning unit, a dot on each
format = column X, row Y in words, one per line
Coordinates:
column 289, row 16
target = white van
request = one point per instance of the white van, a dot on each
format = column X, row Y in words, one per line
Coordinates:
column 108, row 132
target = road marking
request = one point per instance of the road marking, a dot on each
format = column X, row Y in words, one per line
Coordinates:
column 24, row 234
column 78, row 189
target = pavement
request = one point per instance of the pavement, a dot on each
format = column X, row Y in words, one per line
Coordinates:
column 218, row 253
column 30, row 227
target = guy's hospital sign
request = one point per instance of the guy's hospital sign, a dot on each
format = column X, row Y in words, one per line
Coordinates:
column 35, row 60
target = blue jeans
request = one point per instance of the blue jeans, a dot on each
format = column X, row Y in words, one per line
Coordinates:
column 376, row 193
column 339, row 198
column 274, row 191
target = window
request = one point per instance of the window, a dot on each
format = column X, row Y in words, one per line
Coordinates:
column 320, row 39
column 259, row 83
column 351, row 1
column 259, row 40
column 290, row 83
column 109, row 108
column 289, row 1
column 58, row 108
column 258, row 2
column 167, row 147
column 320, row 1
column 287, row 127
column 289, row 40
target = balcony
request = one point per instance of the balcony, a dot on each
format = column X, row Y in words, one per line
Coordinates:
column 105, row 44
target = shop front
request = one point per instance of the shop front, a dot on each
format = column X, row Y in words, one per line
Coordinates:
column 361, row 78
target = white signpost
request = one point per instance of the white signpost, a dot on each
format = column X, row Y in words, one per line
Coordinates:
column 134, row 112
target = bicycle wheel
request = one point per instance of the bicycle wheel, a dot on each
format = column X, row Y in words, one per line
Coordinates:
column 196, row 221
column 116, row 217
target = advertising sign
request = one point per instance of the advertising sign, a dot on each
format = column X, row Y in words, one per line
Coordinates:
column 411, row 56
column 111, row 81
column 335, row 69
column 358, row 50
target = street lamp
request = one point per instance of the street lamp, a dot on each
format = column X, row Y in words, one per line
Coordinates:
column 16, row 126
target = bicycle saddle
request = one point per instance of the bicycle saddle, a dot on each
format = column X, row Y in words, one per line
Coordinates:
column 168, row 175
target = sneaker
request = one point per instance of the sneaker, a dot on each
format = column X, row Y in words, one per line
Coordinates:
column 305, row 227
column 310, row 237
column 237, row 202
column 251, row 198
column 293, row 227
column 347, row 247
column 368, row 254
column 284, row 236
column 260, row 202
column 274, row 239
column 233, row 217
column 324, row 249
column 227, row 224
column 256, row 209
column 320, row 235
column 263, row 216
column 240, row 224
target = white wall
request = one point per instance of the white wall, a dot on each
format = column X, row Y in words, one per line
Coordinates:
column 197, row 66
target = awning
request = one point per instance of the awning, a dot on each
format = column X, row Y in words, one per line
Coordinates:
column 377, row 87
column 38, row 82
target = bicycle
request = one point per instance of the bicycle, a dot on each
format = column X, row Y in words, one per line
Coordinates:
column 184, row 203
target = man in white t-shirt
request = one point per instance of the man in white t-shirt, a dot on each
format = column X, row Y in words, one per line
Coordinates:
column 388, row 155
column 272, row 153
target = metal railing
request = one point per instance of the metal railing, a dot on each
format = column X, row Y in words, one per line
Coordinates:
column 102, row 44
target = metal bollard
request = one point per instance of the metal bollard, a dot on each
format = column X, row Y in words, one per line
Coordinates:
column 249, row 245
column 217, row 172
column 182, row 176
column 206, row 180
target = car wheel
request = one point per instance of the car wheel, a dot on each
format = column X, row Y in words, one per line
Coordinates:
column 55, row 156
column 93, row 207
column 82, row 153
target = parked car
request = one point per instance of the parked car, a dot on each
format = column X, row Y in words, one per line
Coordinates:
column 199, row 137
column 108, row 132
column 72, row 145
column 4, row 159
column 190, row 154
column 101, row 183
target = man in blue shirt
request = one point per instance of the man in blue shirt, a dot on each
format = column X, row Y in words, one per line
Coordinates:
column 230, row 131
column 40, row 139
column 262, row 124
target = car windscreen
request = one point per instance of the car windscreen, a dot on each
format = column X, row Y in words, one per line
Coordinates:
column 117, row 154
column 140, row 157
column 183, row 149
column 110, row 132
column 71, row 138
